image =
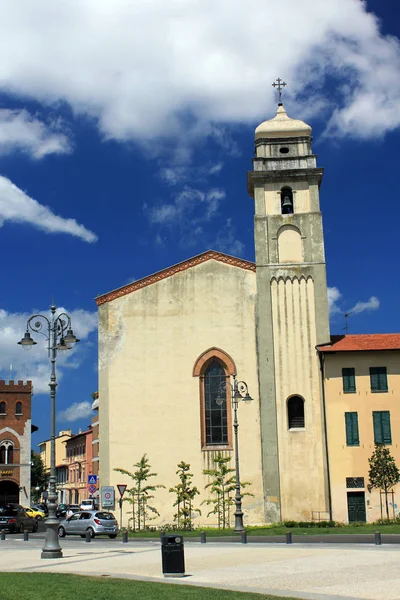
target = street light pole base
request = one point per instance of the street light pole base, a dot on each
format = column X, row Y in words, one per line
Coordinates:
column 51, row 548
column 239, row 527
column 51, row 553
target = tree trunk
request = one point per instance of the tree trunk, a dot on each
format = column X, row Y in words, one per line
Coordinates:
column 387, row 504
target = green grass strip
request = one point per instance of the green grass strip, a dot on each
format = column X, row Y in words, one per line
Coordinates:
column 36, row 586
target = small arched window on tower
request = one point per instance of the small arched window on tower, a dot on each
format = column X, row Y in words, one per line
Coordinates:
column 2, row 408
column 295, row 408
column 18, row 408
column 287, row 201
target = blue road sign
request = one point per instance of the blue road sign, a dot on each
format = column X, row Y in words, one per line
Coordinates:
column 92, row 479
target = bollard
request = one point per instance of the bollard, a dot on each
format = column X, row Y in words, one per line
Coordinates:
column 3, row 535
column 88, row 537
column 378, row 538
column 289, row 537
column 26, row 536
column 203, row 537
column 125, row 537
column 243, row 537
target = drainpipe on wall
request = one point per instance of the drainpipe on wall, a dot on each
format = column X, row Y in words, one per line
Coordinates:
column 328, row 474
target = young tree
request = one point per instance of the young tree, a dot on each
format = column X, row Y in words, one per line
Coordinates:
column 38, row 476
column 140, row 493
column 185, row 494
column 221, row 488
column 383, row 471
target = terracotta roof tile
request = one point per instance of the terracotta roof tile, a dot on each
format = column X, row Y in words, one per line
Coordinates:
column 362, row 342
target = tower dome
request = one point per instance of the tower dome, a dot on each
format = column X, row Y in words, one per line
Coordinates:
column 282, row 126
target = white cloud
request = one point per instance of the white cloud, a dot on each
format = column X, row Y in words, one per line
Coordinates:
column 334, row 296
column 189, row 204
column 146, row 69
column 20, row 131
column 77, row 410
column 18, row 207
column 372, row 304
column 34, row 363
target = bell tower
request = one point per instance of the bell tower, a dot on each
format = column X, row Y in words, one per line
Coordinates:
column 292, row 318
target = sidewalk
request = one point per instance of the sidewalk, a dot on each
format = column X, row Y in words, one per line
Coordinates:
column 299, row 570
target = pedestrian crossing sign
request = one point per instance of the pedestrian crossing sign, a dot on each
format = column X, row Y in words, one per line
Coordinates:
column 92, row 479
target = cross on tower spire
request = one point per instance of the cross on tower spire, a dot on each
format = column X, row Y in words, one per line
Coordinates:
column 279, row 84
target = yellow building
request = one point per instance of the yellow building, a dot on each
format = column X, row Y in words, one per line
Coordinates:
column 362, row 388
column 61, row 470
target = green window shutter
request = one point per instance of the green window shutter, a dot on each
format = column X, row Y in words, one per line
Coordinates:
column 377, row 419
column 386, row 431
column 349, row 380
column 352, row 435
column 378, row 376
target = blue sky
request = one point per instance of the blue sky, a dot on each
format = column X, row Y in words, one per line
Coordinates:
column 126, row 132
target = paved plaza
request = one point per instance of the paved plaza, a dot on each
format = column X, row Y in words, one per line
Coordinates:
column 301, row 570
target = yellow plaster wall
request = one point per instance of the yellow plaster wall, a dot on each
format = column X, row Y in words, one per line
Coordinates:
column 149, row 400
column 352, row 461
column 301, row 451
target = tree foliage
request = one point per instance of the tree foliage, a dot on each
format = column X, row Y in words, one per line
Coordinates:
column 39, row 477
column 383, row 471
column 140, row 493
column 185, row 494
column 222, row 487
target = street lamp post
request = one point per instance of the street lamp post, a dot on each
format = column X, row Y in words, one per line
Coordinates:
column 53, row 329
column 239, row 391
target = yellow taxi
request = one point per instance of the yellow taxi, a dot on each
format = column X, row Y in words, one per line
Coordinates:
column 34, row 513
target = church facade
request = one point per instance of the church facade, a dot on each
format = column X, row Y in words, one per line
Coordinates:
column 168, row 342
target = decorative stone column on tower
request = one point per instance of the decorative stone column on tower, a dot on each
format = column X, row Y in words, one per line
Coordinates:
column 292, row 317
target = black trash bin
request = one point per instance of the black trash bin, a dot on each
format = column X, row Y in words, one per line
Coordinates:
column 173, row 559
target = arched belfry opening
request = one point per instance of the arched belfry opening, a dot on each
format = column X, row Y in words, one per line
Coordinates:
column 287, row 201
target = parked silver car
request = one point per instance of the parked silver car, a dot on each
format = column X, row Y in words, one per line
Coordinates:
column 96, row 522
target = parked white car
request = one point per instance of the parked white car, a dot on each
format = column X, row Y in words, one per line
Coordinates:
column 90, row 504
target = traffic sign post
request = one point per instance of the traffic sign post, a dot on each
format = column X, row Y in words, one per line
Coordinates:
column 107, row 496
column 121, row 488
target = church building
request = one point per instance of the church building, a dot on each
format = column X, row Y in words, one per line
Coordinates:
column 169, row 341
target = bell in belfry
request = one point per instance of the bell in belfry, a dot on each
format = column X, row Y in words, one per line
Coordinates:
column 287, row 205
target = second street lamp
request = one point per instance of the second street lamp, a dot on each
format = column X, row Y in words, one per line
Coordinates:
column 238, row 391
column 53, row 329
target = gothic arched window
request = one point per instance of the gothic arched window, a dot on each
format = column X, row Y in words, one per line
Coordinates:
column 295, row 408
column 18, row 408
column 287, row 201
column 2, row 408
column 214, row 367
column 216, row 417
column 6, row 452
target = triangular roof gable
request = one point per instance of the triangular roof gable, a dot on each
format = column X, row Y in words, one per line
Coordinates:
column 182, row 266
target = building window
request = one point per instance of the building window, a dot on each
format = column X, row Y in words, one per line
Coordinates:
column 18, row 408
column 2, row 408
column 295, row 408
column 213, row 368
column 216, row 418
column 382, row 430
column 378, row 376
column 355, row 482
column 352, row 437
column 349, row 380
column 6, row 453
